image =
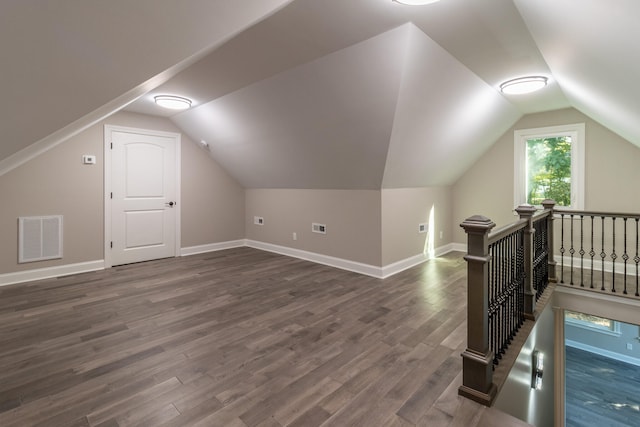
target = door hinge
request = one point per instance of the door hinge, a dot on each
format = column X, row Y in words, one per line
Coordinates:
column 111, row 245
column 112, row 145
column 112, row 195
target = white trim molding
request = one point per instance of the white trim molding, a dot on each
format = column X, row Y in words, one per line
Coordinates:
column 50, row 272
column 407, row 263
column 356, row 267
column 451, row 247
column 597, row 264
column 212, row 247
column 577, row 133
column 404, row 264
column 344, row 264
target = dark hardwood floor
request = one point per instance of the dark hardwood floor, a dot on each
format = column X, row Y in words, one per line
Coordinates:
column 238, row 338
column 600, row 391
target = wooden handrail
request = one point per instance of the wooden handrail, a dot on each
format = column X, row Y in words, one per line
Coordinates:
column 506, row 230
column 596, row 213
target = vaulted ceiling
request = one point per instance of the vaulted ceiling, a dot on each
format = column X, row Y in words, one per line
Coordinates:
column 363, row 94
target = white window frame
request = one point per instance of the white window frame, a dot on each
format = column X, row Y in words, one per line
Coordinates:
column 613, row 331
column 521, row 136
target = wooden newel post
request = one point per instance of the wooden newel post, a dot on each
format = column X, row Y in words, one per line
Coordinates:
column 477, row 359
column 526, row 212
column 549, row 204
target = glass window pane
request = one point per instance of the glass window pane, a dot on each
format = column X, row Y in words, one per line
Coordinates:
column 588, row 319
column 549, row 170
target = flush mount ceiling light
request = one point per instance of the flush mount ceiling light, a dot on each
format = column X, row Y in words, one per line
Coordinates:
column 415, row 2
column 523, row 85
column 173, row 102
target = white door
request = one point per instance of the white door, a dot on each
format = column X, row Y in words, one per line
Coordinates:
column 144, row 190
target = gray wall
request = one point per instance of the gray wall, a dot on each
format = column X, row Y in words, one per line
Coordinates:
column 614, row 343
column 402, row 210
column 611, row 173
column 56, row 183
column 352, row 218
column 375, row 227
column 516, row 396
column 368, row 226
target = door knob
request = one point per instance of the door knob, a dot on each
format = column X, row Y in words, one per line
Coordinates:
column 170, row 204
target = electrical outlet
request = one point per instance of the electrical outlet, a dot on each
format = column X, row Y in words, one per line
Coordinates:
column 258, row 220
column 440, row 234
column 295, row 236
column 629, row 346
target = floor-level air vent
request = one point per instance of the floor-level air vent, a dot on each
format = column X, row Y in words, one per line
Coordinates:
column 39, row 238
column 319, row 228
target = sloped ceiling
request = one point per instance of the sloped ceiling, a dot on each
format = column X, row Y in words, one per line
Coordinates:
column 446, row 117
column 593, row 50
column 324, row 124
column 68, row 63
column 320, row 94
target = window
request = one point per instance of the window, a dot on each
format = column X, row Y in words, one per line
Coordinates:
column 592, row 322
column 549, row 163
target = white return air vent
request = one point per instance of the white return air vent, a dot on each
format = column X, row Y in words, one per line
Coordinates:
column 39, row 238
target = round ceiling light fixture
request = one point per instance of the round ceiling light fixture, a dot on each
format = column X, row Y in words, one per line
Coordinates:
column 415, row 2
column 523, row 85
column 173, row 102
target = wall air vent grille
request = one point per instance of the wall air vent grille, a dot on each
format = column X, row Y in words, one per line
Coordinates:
column 319, row 228
column 39, row 238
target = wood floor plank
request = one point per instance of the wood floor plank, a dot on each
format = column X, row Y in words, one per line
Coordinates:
column 235, row 338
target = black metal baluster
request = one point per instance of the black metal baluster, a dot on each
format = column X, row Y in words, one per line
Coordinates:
column 498, row 282
column 571, row 250
column 603, row 254
column 581, row 252
column 592, row 252
column 511, row 282
column 520, row 275
column 505, row 332
column 613, row 254
column 492, row 320
column 637, row 258
column 514, row 285
column 561, row 248
column 498, row 313
column 625, row 256
column 499, row 301
column 494, row 345
column 492, row 324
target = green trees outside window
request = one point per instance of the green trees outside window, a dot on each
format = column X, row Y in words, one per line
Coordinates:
column 549, row 170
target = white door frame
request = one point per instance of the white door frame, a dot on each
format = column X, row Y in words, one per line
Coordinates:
column 108, row 130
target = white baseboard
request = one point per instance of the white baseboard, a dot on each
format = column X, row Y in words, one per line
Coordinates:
column 212, row 247
column 597, row 264
column 344, row 264
column 357, row 267
column 47, row 273
column 606, row 353
column 404, row 264
column 458, row 247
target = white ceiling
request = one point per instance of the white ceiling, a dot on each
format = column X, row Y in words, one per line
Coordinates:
column 321, row 94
